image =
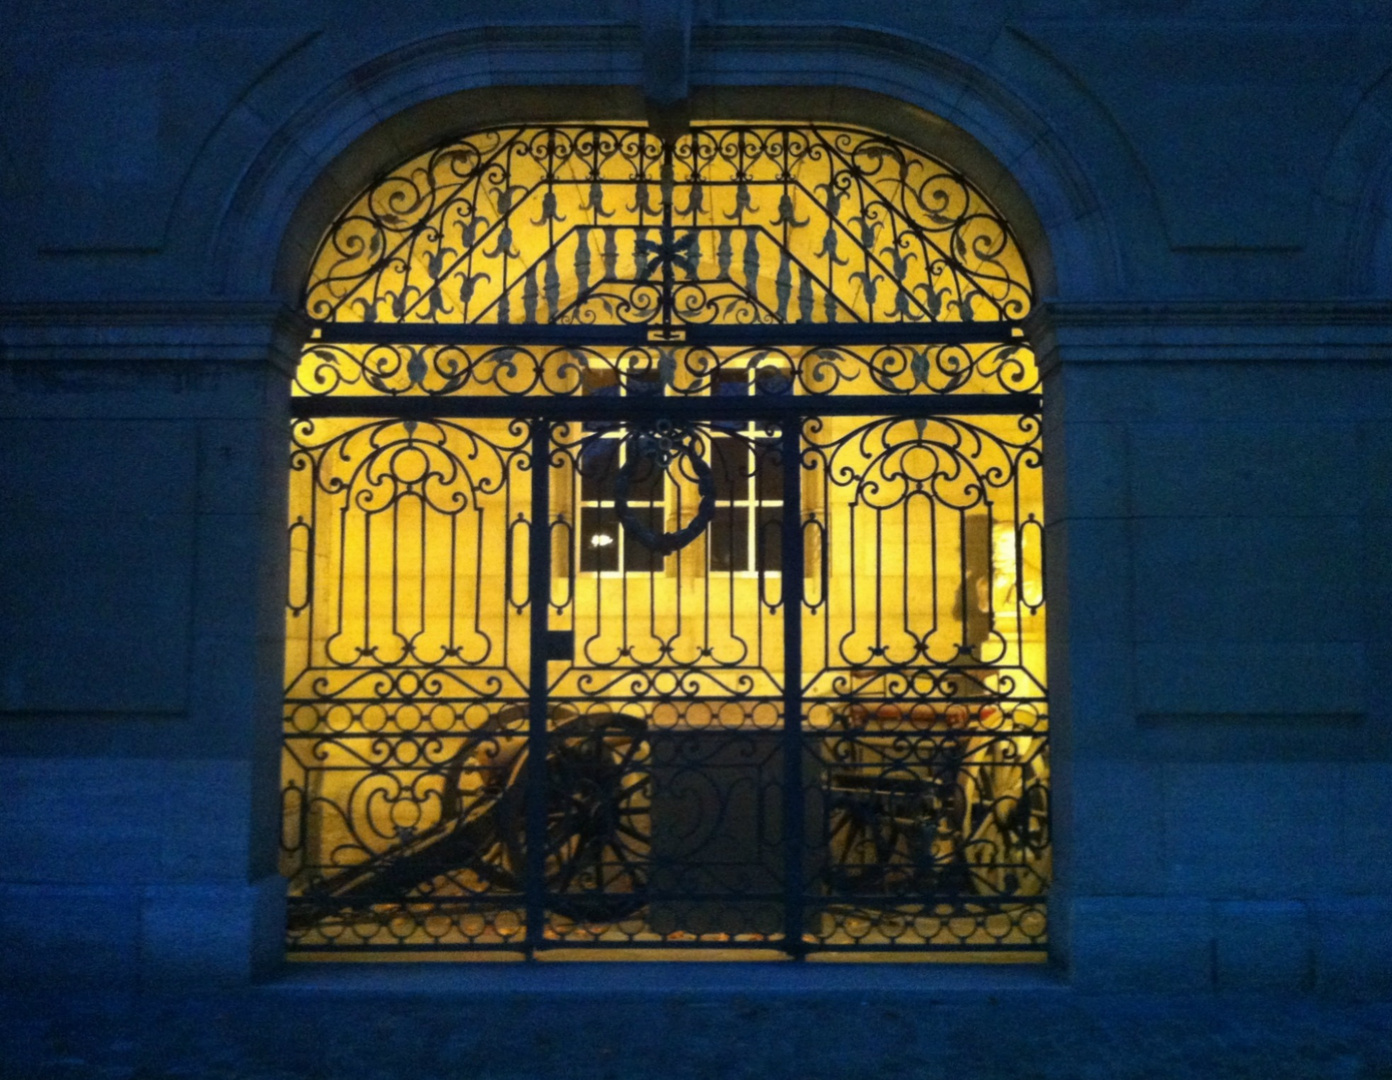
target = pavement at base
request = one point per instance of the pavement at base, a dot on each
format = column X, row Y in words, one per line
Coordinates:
column 597, row 1023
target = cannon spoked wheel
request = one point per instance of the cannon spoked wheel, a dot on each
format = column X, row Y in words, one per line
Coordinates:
column 596, row 838
column 1007, row 822
column 596, row 810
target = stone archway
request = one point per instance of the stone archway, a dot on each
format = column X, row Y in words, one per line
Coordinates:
column 808, row 660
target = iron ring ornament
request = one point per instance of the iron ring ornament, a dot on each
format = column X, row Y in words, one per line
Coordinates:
column 658, row 447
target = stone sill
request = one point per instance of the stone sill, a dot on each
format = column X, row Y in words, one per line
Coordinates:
column 673, row 979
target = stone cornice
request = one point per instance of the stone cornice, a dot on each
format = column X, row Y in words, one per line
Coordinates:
column 210, row 332
column 270, row 332
column 1204, row 331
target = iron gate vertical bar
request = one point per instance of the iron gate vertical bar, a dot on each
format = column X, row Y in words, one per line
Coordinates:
column 794, row 798
column 539, row 596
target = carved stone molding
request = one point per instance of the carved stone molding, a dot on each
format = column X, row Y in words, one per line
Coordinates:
column 1201, row 331
column 239, row 332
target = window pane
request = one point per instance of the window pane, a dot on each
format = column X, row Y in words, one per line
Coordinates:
column 730, row 465
column 730, row 382
column 599, row 462
column 772, row 379
column 638, row 558
column 770, row 539
column 599, row 539
column 646, row 479
column 768, row 475
column 729, row 538
column 727, row 383
column 643, row 384
column 600, row 382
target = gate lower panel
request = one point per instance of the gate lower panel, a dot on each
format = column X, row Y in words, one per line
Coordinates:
column 733, row 705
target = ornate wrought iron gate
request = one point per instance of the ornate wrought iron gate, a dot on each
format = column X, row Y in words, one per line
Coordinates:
column 635, row 609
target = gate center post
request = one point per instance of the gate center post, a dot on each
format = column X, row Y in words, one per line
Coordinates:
column 539, row 597
column 794, row 798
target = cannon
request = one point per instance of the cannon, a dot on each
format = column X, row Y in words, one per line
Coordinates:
column 595, row 842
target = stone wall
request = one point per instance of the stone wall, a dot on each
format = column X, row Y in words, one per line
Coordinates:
column 1218, row 561
column 1204, row 198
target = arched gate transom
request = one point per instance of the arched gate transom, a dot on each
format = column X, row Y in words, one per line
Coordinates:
column 665, row 545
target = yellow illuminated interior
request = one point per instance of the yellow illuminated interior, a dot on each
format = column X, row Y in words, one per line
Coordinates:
column 409, row 594
column 800, row 224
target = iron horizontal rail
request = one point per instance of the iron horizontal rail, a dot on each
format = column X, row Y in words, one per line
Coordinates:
column 435, row 949
column 619, row 410
column 499, row 903
column 773, row 335
column 961, row 904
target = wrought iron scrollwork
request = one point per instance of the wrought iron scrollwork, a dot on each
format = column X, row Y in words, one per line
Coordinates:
column 737, row 224
column 666, row 553
column 691, row 371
